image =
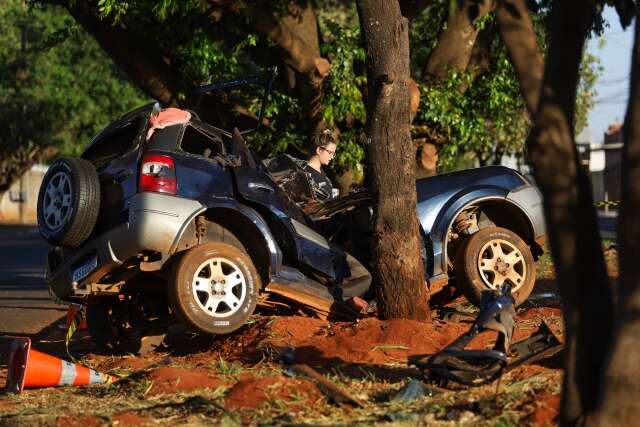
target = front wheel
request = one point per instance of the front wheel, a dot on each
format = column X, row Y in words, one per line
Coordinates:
column 491, row 257
column 214, row 288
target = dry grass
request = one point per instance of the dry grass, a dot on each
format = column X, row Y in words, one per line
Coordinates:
column 509, row 402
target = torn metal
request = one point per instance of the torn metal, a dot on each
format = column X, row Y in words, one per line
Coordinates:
column 477, row 367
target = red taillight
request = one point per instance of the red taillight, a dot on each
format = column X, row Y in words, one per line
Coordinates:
column 157, row 174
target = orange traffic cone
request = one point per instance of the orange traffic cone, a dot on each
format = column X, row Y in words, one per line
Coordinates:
column 30, row 368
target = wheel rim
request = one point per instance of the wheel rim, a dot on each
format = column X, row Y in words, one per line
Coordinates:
column 57, row 201
column 501, row 262
column 219, row 287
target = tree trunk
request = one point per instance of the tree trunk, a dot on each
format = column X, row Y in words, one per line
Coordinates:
column 518, row 36
column 398, row 268
column 619, row 404
column 456, row 41
column 296, row 33
column 570, row 215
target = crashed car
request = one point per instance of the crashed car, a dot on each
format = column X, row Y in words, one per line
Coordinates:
column 182, row 220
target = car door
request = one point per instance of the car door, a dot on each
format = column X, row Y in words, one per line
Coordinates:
column 288, row 222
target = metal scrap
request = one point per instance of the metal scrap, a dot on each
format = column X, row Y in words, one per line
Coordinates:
column 477, row 367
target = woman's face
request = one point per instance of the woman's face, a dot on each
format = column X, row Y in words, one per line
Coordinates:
column 326, row 153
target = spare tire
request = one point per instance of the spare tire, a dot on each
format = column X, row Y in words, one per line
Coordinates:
column 68, row 202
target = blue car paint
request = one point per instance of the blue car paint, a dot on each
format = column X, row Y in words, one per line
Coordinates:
column 442, row 197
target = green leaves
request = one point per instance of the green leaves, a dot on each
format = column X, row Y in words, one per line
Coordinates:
column 58, row 87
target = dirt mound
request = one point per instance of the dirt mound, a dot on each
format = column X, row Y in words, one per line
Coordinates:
column 256, row 392
column 370, row 341
column 168, row 380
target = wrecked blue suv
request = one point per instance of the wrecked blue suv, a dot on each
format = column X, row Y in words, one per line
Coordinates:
column 191, row 224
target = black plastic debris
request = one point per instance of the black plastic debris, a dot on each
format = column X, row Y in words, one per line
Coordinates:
column 541, row 345
column 475, row 367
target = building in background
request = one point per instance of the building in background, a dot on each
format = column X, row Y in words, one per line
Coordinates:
column 19, row 205
column 613, row 167
column 592, row 158
column 603, row 162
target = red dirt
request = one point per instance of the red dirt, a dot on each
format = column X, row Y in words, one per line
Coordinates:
column 528, row 371
column 255, row 392
column 6, row 405
column 169, row 380
column 71, row 421
column 528, row 321
column 547, row 409
column 370, row 341
column 374, row 341
column 107, row 363
column 128, row 418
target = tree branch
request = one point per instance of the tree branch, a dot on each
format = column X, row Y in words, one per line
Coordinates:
column 518, row 36
column 456, row 41
column 137, row 59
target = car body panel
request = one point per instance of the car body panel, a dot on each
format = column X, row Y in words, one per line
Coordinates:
column 529, row 199
column 219, row 177
column 437, row 194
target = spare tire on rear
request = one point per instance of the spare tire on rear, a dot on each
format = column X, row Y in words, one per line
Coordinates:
column 68, row 202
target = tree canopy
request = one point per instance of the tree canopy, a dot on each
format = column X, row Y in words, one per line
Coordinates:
column 469, row 103
column 58, row 87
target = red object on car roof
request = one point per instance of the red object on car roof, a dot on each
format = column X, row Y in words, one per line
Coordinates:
column 167, row 117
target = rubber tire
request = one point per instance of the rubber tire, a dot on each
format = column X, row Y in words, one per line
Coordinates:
column 180, row 290
column 466, row 269
column 84, row 204
column 104, row 334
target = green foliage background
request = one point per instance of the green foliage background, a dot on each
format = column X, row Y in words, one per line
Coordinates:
column 61, row 88
column 57, row 87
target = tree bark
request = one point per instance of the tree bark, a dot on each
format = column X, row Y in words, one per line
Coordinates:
column 456, row 41
column 296, row 33
column 398, row 268
column 518, row 36
column 619, row 395
column 570, row 215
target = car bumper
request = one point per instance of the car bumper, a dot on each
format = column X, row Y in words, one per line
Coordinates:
column 156, row 223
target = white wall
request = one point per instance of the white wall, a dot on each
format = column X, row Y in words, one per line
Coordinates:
column 20, row 203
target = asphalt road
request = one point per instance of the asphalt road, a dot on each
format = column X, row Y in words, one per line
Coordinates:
column 26, row 309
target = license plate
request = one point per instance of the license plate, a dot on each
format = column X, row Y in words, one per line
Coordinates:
column 84, row 269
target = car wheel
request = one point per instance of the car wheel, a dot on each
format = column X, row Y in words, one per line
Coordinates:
column 118, row 325
column 214, row 288
column 67, row 202
column 493, row 256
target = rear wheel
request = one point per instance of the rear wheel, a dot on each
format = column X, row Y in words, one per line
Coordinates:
column 214, row 288
column 491, row 257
